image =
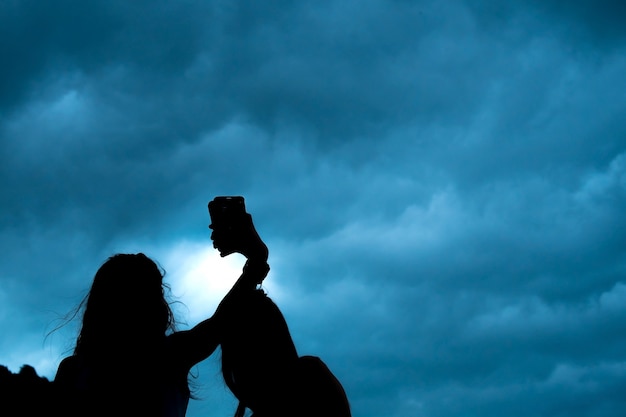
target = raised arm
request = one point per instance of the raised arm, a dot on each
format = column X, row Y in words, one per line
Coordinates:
column 201, row 341
column 243, row 239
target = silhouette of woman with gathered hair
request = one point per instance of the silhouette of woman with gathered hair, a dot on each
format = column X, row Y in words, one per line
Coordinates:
column 260, row 363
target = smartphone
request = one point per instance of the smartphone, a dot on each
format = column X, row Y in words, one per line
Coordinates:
column 225, row 211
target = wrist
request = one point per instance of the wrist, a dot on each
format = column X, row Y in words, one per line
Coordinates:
column 256, row 251
column 256, row 269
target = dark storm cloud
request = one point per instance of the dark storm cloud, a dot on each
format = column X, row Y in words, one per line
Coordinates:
column 278, row 62
column 592, row 23
column 441, row 184
column 488, row 288
column 275, row 64
column 134, row 106
column 43, row 40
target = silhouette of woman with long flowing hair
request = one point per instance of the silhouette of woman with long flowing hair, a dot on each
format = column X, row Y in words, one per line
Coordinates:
column 129, row 358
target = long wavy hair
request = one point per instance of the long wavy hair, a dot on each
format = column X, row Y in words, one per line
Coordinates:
column 126, row 308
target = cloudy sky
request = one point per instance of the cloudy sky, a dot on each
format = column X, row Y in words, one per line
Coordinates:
column 441, row 185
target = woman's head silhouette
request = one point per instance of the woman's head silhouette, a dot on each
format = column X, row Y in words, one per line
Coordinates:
column 126, row 306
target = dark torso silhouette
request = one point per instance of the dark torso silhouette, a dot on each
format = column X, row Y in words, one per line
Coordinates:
column 137, row 384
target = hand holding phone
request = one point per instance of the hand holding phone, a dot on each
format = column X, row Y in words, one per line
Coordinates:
column 227, row 217
column 233, row 230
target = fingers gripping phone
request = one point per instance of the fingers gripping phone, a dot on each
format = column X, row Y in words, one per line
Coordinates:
column 226, row 214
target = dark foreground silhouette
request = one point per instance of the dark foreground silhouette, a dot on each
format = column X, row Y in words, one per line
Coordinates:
column 25, row 393
column 130, row 360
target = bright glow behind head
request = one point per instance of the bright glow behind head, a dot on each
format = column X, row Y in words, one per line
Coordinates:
column 199, row 278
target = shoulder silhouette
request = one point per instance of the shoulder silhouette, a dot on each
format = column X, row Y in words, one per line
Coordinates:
column 260, row 363
column 263, row 369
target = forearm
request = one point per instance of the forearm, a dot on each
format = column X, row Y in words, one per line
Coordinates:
column 254, row 272
column 198, row 343
column 205, row 336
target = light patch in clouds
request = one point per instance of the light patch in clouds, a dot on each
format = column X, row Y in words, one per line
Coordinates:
column 531, row 315
column 62, row 112
column 603, row 184
column 30, row 349
column 199, row 278
column 614, row 300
